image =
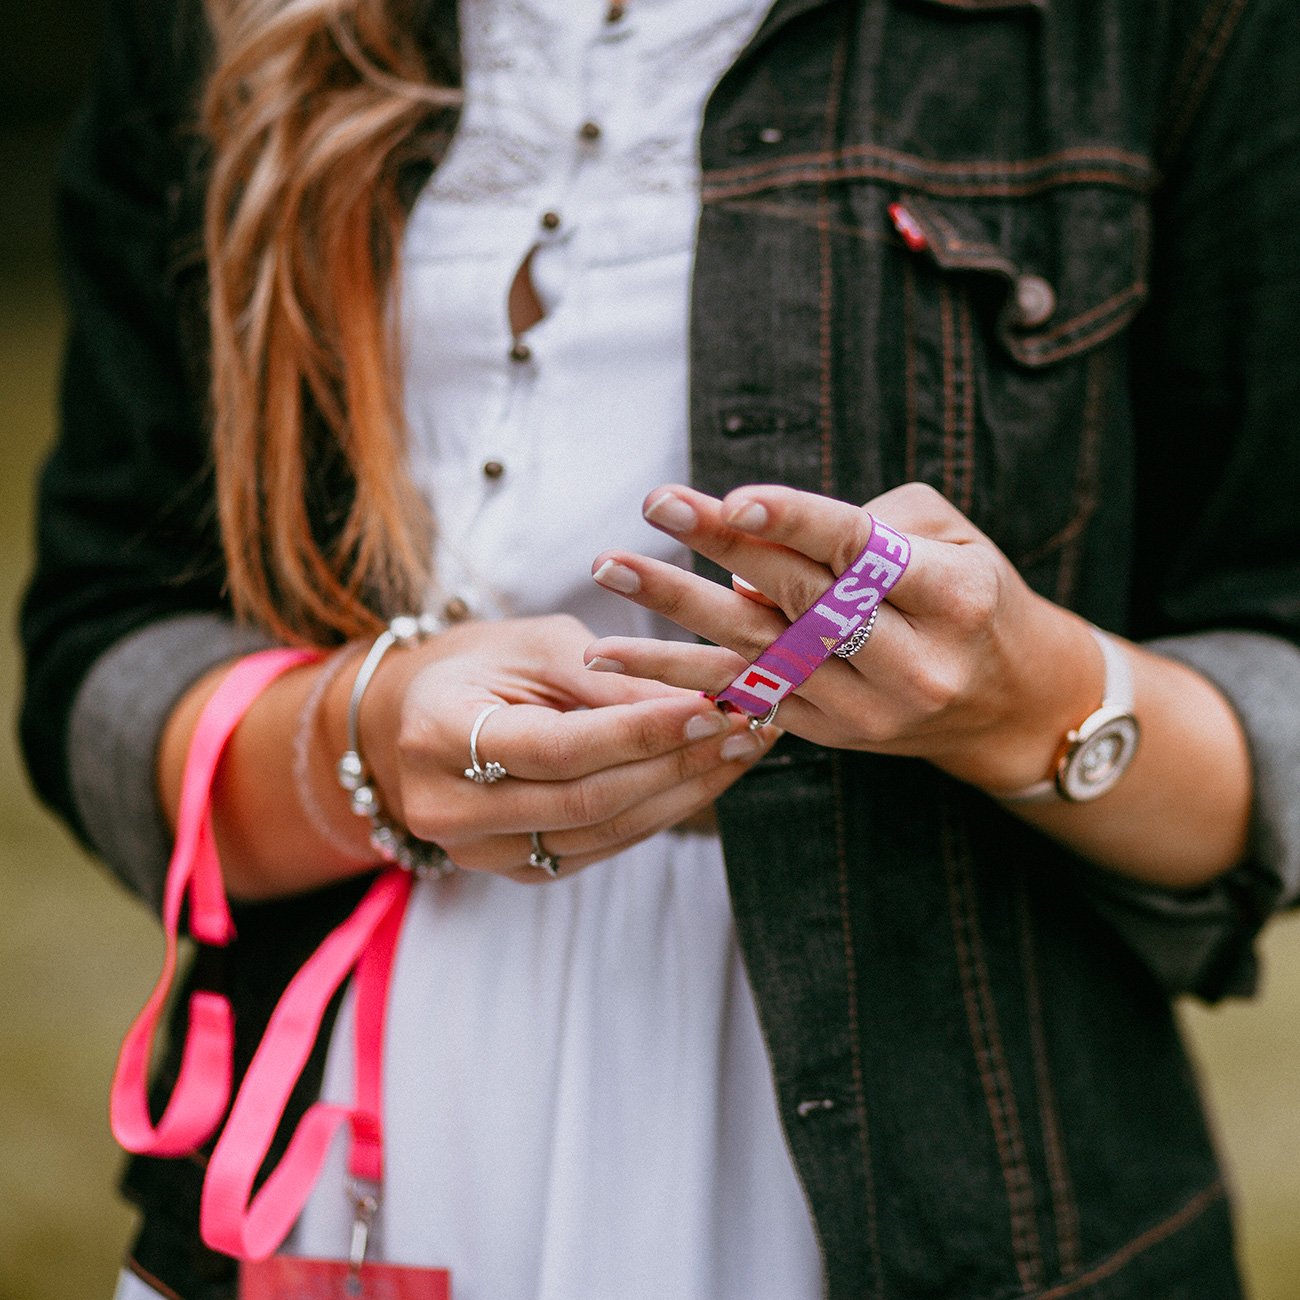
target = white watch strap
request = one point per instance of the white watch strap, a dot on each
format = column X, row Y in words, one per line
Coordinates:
column 1117, row 693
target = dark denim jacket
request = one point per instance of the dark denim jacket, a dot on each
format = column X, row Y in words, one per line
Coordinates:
column 1088, row 346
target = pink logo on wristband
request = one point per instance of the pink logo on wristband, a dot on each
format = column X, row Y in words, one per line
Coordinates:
column 814, row 636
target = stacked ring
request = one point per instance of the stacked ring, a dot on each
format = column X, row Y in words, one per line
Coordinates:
column 542, row 860
column 480, row 773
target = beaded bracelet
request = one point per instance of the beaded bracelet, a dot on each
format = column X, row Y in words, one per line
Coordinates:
column 392, row 842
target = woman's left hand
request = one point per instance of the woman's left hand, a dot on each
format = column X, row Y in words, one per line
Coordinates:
column 966, row 666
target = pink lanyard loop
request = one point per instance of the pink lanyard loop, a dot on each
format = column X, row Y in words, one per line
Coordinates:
column 251, row 1227
column 202, row 1089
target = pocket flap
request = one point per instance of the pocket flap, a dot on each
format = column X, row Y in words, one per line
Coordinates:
column 1073, row 261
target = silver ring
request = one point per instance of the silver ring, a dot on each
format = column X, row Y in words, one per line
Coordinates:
column 846, row 649
column 479, row 773
column 542, row 860
column 769, row 716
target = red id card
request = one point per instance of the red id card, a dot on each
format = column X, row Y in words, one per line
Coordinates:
column 287, row 1277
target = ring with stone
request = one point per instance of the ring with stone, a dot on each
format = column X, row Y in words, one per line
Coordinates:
column 542, row 860
column 483, row 773
column 847, row 649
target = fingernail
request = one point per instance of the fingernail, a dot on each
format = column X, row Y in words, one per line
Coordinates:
column 618, row 577
column 744, row 744
column 749, row 518
column 739, row 582
column 671, row 513
column 602, row 665
column 705, row 724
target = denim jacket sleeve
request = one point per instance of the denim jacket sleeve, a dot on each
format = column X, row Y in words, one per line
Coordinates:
column 1216, row 392
column 126, row 532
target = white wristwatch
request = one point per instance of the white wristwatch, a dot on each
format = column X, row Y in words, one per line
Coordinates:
column 1099, row 750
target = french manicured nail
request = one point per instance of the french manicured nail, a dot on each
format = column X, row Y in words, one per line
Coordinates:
column 705, row 724
column 744, row 744
column 739, row 582
column 602, row 665
column 672, row 514
column 618, row 577
column 749, row 518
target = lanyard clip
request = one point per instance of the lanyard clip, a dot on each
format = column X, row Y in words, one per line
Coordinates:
column 365, row 1205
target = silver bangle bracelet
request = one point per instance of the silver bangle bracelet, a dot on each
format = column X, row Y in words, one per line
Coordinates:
column 392, row 842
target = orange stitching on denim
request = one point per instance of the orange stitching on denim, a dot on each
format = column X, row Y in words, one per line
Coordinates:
column 994, row 167
column 941, row 189
column 855, row 1027
column 1085, row 479
column 1197, row 91
column 1152, row 1237
column 986, row 1040
column 949, row 389
column 1124, row 307
column 807, row 215
column 967, row 464
column 990, row 4
column 909, row 366
column 1066, row 1212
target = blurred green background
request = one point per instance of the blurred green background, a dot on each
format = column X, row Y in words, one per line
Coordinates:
column 77, row 956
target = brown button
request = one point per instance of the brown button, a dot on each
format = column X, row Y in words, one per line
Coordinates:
column 615, row 12
column 550, row 221
column 521, row 352
column 589, row 130
column 1035, row 301
column 455, row 610
column 493, row 469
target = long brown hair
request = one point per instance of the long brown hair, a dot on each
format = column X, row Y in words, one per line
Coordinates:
column 312, row 111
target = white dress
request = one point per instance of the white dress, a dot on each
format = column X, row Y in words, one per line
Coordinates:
column 578, row 1104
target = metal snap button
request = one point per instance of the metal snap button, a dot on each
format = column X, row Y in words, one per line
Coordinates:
column 1035, row 301
column 493, row 469
column 521, row 352
column 589, row 130
column 771, row 135
column 550, row 221
column 615, row 12
column 455, row 610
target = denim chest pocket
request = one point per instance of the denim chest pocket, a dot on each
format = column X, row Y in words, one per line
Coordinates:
column 1014, row 401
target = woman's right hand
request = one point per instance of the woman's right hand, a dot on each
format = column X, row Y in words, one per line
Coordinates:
column 597, row 761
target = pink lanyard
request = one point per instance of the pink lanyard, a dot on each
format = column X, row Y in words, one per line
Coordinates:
column 202, row 1087
column 232, row 1219
column 846, row 605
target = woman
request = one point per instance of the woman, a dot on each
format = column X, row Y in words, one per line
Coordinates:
column 916, row 252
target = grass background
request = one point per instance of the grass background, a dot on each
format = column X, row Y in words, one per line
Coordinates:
column 78, row 956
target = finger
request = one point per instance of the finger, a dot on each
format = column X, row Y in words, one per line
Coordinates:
column 746, row 589
column 450, row 816
column 700, row 606
column 582, row 846
column 798, row 541
column 706, row 668
column 536, row 743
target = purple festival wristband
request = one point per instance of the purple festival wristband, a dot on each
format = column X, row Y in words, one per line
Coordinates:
column 814, row 636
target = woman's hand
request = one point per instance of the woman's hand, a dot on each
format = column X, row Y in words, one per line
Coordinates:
column 596, row 763
column 966, row 666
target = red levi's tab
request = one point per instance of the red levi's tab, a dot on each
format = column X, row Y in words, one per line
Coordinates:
column 286, row 1277
column 908, row 226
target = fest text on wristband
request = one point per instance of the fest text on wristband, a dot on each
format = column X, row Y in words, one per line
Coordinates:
column 814, row 636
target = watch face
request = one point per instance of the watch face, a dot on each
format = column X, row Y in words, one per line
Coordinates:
column 1099, row 759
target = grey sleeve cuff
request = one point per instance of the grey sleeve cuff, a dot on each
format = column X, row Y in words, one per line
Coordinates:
column 115, row 729
column 1203, row 942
